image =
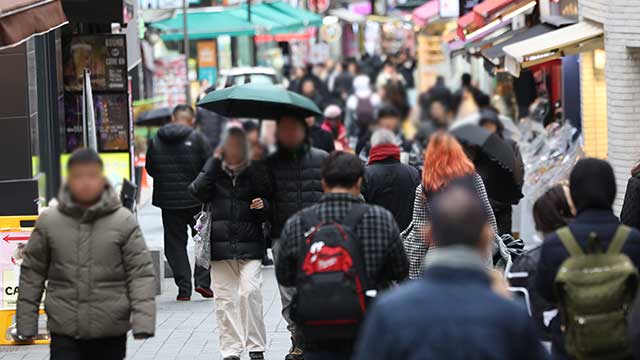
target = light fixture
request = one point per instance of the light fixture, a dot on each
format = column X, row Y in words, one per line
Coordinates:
column 599, row 59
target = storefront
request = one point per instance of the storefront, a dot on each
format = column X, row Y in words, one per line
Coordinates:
column 29, row 48
column 584, row 38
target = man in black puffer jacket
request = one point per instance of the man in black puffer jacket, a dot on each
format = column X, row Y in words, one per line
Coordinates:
column 174, row 159
column 295, row 173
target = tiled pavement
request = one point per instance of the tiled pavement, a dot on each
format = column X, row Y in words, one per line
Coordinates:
column 185, row 330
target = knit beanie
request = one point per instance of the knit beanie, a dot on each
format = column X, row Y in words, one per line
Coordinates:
column 593, row 185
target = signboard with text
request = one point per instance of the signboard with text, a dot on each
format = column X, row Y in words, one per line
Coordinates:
column 207, row 61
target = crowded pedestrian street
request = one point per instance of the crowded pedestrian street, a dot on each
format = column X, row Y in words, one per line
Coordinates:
column 319, row 180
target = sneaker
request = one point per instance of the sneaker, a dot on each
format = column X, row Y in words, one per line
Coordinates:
column 232, row 358
column 205, row 292
column 183, row 298
column 295, row 353
column 256, row 355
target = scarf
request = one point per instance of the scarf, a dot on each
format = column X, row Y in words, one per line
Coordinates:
column 384, row 151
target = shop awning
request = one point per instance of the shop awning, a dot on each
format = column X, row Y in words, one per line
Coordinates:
column 495, row 53
column 574, row 39
column 490, row 7
column 205, row 24
column 21, row 19
column 426, row 13
column 307, row 17
column 268, row 20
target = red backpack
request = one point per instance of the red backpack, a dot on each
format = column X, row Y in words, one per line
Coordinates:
column 330, row 302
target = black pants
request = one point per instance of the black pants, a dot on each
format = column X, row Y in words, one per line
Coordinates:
column 67, row 348
column 175, row 223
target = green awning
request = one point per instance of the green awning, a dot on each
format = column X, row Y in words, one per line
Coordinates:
column 269, row 20
column 309, row 19
column 204, row 25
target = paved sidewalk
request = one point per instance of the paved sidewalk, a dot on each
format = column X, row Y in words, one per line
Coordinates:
column 184, row 330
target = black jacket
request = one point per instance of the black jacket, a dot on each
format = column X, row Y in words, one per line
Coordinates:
column 321, row 139
column 236, row 230
column 604, row 224
column 630, row 214
column 174, row 158
column 297, row 183
column 392, row 185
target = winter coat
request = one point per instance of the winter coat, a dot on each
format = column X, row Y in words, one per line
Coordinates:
column 174, row 159
column 321, row 139
column 101, row 280
column 604, row 224
column 630, row 214
column 392, row 185
column 236, row 230
column 452, row 314
column 414, row 242
column 297, row 184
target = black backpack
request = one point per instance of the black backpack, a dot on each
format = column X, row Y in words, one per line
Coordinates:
column 330, row 303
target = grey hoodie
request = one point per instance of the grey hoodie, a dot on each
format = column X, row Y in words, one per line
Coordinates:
column 99, row 272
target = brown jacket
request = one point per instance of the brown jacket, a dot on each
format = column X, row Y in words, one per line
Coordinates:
column 99, row 272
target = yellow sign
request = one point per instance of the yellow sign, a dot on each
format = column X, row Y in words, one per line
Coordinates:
column 116, row 167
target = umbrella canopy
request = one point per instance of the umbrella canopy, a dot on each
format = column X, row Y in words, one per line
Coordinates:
column 259, row 101
column 155, row 117
column 495, row 161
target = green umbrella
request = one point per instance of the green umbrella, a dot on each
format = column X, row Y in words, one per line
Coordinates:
column 259, row 101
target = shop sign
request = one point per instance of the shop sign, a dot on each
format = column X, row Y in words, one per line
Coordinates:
column 331, row 32
column 104, row 55
column 207, row 61
column 449, row 8
column 318, row 6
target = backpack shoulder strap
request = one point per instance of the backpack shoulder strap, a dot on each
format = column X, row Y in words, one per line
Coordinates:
column 569, row 242
column 356, row 212
column 309, row 219
column 620, row 237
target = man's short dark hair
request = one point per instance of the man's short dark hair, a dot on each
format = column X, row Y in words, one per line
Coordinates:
column 388, row 111
column 341, row 169
column 457, row 217
column 84, row 156
column 183, row 107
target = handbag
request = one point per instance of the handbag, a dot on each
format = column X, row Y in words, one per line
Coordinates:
column 202, row 239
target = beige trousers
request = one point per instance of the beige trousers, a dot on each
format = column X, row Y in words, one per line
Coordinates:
column 237, row 285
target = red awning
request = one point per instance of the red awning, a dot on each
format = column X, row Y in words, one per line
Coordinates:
column 489, row 7
column 469, row 22
column 21, row 19
column 426, row 12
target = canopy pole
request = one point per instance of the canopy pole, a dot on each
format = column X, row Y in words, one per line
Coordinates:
column 254, row 48
column 185, row 38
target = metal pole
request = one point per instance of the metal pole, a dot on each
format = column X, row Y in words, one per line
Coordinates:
column 254, row 48
column 185, row 37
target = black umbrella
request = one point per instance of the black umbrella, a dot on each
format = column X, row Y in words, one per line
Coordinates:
column 155, row 117
column 495, row 161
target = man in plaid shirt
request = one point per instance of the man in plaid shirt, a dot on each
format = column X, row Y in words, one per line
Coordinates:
column 382, row 249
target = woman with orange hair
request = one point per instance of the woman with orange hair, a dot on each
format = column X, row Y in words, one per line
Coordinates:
column 445, row 163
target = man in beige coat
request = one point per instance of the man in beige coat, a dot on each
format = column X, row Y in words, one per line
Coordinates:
column 98, row 271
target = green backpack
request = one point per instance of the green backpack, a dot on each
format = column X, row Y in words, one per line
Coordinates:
column 595, row 291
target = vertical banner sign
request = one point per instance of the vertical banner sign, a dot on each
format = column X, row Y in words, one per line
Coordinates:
column 207, row 61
